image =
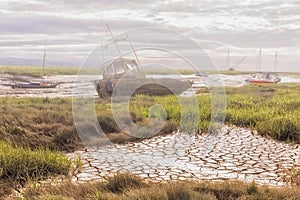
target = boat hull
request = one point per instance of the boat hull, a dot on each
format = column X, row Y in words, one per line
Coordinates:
column 264, row 78
column 261, row 82
column 142, row 86
column 33, row 86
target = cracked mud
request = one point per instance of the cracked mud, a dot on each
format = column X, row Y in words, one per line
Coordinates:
column 236, row 153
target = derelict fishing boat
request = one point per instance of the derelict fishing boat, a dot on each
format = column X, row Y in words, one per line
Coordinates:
column 123, row 77
column 127, row 71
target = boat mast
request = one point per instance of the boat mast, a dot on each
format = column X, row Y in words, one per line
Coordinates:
column 259, row 60
column 102, row 49
column 275, row 62
column 44, row 58
column 228, row 59
column 133, row 49
column 115, row 42
column 113, row 38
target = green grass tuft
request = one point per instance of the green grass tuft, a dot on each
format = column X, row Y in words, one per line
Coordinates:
column 178, row 192
column 19, row 165
column 123, row 181
column 23, row 164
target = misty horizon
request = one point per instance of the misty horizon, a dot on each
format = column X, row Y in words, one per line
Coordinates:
column 75, row 28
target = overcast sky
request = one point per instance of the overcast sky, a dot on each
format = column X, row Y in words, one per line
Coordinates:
column 74, row 28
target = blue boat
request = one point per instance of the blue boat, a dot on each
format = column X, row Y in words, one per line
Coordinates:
column 34, row 85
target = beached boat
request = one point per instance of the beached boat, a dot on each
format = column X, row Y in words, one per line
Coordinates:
column 34, row 85
column 202, row 74
column 124, row 77
column 41, row 84
column 264, row 77
column 260, row 81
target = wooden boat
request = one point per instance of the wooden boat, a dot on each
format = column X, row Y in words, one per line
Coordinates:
column 123, row 77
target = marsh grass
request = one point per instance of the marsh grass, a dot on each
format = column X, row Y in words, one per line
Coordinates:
column 292, row 176
column 38, row 123
column 122, row 182
column 29, row 127
column 19, row 165
column 36, row 71
column 272, row 110
column 22, row 163
column 179, row 190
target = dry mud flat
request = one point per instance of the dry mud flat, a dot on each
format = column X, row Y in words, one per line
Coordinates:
column 235, row 153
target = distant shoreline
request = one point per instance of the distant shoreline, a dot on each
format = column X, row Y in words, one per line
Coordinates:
column 35, row 71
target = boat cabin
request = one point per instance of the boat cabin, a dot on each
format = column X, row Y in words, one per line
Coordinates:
column 119, row 67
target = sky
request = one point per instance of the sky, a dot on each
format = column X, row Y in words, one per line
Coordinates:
column 74, row 28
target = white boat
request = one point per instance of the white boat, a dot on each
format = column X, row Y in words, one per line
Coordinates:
column 264, row 77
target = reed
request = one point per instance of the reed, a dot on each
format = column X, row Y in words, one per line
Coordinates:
column 20, row 165
column 172, row 190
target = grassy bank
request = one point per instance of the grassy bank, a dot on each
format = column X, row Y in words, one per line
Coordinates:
column 44, row 122
column 272, row 110
column 128, row 186
column 20, row 165
column 31, row 127
column 36, row 71
column 38, row 123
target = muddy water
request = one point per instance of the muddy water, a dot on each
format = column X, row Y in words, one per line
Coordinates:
column 68, row 86
column 84, row 85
